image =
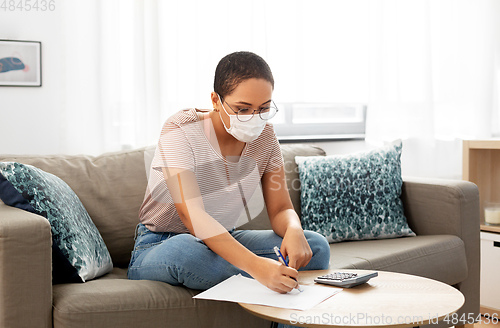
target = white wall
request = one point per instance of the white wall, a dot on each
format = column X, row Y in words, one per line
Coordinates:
column 30, row 117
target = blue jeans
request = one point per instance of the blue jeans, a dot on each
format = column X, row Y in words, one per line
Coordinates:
column 182, row 259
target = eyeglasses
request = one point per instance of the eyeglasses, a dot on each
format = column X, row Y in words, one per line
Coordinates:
column 246, row 114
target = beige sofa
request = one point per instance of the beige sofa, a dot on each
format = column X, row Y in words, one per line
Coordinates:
column 443, row 213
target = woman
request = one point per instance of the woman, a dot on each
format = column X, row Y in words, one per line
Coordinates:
column 207, row 166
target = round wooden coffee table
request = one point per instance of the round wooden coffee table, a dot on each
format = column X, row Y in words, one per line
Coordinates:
column 390, row 300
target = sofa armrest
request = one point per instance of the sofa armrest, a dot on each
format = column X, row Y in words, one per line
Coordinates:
column 25, row 269
column 451, row 207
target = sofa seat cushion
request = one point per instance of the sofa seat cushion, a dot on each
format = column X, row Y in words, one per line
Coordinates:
column 115, row 301
column 439, row 257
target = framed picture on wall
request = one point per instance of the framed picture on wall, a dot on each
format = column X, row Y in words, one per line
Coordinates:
column 20, row 63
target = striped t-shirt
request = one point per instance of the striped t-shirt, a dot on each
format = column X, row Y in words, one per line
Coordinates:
column 225, row 186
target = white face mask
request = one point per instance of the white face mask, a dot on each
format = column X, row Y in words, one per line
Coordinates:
column 244, row 131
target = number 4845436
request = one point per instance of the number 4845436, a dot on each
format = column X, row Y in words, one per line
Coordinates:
column 28, row 5
column 470, row 318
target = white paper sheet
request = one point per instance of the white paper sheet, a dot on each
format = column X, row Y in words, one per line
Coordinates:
column 246, row 290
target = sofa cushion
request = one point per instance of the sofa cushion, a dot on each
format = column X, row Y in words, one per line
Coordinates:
column 115, row 301
column 110, row 186
column 354, row 196
column 439, row 257
column 79, row 253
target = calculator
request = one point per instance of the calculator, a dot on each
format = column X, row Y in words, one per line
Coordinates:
column 345, row 279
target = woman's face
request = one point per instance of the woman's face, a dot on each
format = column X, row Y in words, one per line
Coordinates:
column 253, row 94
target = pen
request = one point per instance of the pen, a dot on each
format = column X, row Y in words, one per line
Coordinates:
column 282, row 260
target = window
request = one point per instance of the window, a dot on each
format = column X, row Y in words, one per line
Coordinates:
column 311, row 121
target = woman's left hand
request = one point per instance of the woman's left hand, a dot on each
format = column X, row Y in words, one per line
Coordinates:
column 296, row 247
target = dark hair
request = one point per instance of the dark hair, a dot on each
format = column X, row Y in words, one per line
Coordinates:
column 238, row 67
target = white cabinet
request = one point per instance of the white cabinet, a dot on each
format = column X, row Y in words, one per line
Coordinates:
column 490, row 272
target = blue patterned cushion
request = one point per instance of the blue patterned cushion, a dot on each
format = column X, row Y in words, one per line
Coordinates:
column 355, row 196
column 79, row 252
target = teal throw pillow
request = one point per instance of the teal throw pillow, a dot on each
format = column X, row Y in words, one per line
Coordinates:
column 354, row 196
column 78, row 252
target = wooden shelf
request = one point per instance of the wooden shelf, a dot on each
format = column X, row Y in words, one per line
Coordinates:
column 483, row 144
column 481, row 165
column 490, row 228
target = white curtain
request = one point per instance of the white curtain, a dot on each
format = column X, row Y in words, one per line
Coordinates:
column 428, row 70
column 130, row 64
column 434, row 72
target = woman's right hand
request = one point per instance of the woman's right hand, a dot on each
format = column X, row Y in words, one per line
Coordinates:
column 274, row 275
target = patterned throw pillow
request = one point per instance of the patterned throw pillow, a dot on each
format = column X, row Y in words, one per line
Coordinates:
column 79, row 252
column 355, row 196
